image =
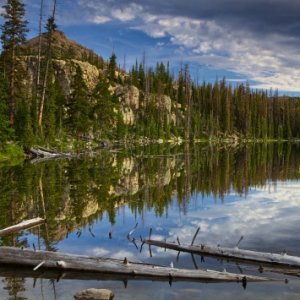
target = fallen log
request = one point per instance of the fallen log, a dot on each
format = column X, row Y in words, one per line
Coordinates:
column 46, row 153
column 231, row 253
column 65, row 263
column 57, row 274
column 21, row 226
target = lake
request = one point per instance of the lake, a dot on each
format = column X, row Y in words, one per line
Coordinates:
column 91, row 203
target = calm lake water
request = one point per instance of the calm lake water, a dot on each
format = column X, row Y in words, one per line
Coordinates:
column 93, row 202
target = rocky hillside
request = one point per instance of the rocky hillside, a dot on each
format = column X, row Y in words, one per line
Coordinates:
column 63, row 48
column 69, row 55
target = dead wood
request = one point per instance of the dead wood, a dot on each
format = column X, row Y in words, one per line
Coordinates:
column 235, row 253
column 64, row 263
column 21, row 226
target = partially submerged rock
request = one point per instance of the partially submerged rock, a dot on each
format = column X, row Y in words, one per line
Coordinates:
column 94, row 294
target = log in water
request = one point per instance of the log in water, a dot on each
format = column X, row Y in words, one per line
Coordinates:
column 231, row 253
column 21, row 226
column 66, row 263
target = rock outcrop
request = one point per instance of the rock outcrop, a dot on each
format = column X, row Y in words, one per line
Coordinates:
column 94, row 294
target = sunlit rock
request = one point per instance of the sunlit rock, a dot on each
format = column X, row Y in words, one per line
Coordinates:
column 90, row 209
column 166, row 103
column 163, row 178
column 128, row 95
column 127, row 115
column 128, row 185
column 94, row 294
column 128, row 165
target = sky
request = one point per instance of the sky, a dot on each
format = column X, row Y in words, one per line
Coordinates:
column 244, row 40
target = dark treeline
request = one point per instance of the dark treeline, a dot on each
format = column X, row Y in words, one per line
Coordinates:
column 35, row 107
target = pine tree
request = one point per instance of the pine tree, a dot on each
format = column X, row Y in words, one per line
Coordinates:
column 78, row 119
column 23, row 124
column 13, row 35
column 112, row 67
column 103, row 113
column 5, row 131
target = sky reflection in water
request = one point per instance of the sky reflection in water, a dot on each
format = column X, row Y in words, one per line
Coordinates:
column 267, row 216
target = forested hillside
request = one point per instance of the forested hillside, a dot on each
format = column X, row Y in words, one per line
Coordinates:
column 55, row 92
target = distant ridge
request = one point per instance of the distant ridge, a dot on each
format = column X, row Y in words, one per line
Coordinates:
column 63, row 48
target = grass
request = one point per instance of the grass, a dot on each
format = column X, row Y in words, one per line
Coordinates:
column 11, row 154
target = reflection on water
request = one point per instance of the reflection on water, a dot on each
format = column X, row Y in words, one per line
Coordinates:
column 91, row 204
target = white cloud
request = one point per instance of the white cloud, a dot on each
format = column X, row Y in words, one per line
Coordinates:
column 238, row 51
column 101, row 19
column 267, row 215
column 213, row 43
column 128, row 13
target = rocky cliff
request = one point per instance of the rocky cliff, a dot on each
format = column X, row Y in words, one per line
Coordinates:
column 68, row 55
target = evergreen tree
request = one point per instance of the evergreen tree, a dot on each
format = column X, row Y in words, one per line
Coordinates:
column 103, row 113
column 23, row 124
column 79, row 106
column 112, row 67
column 13, row 35
column 5, row 130
column 51, row 112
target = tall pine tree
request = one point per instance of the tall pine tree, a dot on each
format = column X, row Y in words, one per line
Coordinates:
column 13, row 35
column 79, row 106
column 5, row 131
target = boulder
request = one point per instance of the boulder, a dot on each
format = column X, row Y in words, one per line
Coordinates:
column 94, row 294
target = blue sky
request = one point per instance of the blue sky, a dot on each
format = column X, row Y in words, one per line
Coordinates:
column 254, row 40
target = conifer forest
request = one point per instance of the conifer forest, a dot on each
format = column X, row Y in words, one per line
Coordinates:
column 36, row 108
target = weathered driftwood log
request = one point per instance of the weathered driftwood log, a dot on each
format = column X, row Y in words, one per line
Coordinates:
column 77, row 263
column 231, row 253
column 37, row 152
column 46, row 153
column 40, row 154
column 21, row 226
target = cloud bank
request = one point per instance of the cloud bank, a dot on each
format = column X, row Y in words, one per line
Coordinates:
column 254, row 39
column 257, row 39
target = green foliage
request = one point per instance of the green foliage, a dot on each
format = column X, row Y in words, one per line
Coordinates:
column 168, row 105
column 79, row 107
column 11, row 153
column 112, row 68
column 6, row 133
column 14, row 27
column 103, row 114
column 13, row 30
column 24, row 127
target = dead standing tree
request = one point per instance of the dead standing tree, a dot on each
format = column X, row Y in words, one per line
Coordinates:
column 51, row 26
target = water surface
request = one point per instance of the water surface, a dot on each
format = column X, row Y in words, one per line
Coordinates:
column 93, row 202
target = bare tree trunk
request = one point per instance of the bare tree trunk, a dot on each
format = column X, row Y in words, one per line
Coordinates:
column 39, row 49
column 248, row 256
column 40, row 116
column 21, row 226
column 46, row 260
column 12, row 96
